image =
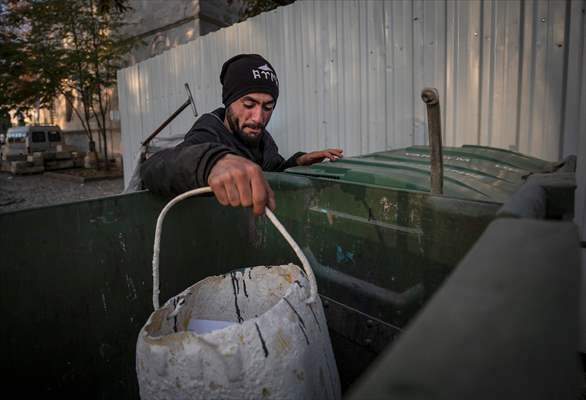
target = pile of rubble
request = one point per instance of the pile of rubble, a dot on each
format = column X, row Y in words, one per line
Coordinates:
column 39, row 162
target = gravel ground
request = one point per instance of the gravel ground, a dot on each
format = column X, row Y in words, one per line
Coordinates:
column 25, row 191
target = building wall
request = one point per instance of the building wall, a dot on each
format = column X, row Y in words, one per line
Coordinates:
column 162, row 24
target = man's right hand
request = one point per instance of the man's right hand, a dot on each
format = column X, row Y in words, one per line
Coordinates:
column 237, row 181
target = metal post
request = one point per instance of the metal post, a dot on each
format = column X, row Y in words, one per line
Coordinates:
column 434, row 129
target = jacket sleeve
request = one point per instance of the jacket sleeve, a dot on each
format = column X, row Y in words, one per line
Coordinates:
column 274, row 161
column 291, row 161
column 187, row 166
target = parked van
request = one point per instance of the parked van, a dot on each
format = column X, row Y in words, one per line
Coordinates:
column 32, row 138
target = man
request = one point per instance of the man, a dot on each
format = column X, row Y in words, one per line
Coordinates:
column 229, row 148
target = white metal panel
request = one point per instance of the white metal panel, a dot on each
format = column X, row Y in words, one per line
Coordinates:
column 322, row 88
column 308, row 66
column 130, row 113
column 351, row 73
column 374, row 75
column 351, row 93
column 402, row 96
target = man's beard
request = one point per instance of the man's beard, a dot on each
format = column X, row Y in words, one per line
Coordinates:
column 234, row 123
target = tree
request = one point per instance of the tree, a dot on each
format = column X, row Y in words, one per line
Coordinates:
column 18, row 89
column 255, row 7
column 63, row 48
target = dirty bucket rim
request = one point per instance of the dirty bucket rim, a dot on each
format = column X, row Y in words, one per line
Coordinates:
column 268, row 314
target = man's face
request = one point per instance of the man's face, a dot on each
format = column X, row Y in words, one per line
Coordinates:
column 248, row 116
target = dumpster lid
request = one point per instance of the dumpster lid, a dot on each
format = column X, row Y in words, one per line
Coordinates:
column 470, row 172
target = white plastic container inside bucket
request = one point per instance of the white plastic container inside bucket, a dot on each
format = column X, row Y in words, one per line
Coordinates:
column 257, row 332
column 201, row 326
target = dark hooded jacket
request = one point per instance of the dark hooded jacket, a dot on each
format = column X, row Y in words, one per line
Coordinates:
column 188, row 165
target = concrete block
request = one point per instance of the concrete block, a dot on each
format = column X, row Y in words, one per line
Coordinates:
column 63, row 155
column 23, row 167
column 15, row 165
column 14, row 157
column 58, row 164
column 65, row 147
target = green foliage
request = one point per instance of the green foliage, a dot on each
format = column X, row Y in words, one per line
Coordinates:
column 255, row 7
column 51, row 48
column 106, row 6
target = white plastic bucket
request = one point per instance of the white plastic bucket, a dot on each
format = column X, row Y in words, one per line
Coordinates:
column 253, row 333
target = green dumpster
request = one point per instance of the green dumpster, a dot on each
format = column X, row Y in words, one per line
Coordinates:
column 75, row 281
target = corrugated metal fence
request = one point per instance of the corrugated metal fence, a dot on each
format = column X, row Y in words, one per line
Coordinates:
column 511, row 74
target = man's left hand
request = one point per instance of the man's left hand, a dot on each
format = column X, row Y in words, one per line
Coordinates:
column 318, row 156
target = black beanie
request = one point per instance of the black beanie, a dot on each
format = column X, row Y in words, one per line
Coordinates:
column 247, row 73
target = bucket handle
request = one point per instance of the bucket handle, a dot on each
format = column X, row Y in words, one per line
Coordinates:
column 269, row 213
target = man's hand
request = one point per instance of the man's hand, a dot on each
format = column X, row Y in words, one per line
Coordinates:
column 237, row 181
column 318, row 156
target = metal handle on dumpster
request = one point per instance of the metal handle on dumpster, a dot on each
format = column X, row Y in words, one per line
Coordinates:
column 269, row 213
column 434, row 128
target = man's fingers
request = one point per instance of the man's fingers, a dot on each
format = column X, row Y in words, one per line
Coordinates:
column 233, row 195
column 239, row 182
column 327, row 154
column 319, row 156
column 244, row 189
column 259, row 194
column 334, row 154
column 220, row 193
